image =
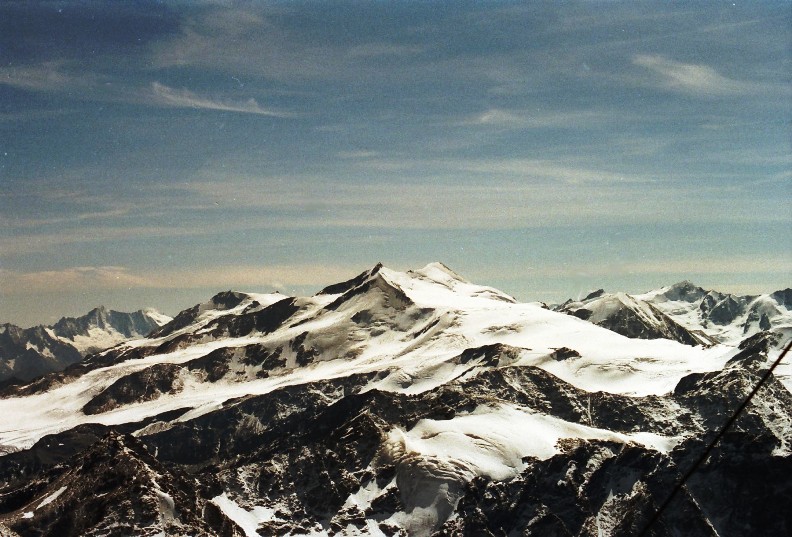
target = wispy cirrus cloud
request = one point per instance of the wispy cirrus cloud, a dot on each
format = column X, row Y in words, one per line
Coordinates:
column 74, row 278
column 46, row 76
column 183, row 98
column 697, row 79
column 239, row 277
column 55, row 77
column 528, row 119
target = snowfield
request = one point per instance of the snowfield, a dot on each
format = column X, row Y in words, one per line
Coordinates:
column 471, row 316
column 411, row 403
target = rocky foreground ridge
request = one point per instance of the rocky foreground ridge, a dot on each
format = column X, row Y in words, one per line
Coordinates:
column 396, row 403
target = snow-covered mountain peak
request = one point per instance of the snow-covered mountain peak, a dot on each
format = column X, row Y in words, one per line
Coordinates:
column 223, row 304
column 723, row 317
column 783, row 297
column 26, row 353
column 157, row 316
column 437, row 286
column 594, row 294
column 681, row 291
column 224, row 300
column 231, row 302
column 439, row 272
column 343, row 287
column 397, row 403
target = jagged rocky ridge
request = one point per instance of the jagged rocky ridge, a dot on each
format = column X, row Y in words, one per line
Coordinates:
column 397, row 404
column 28, row 353
column 686, row 313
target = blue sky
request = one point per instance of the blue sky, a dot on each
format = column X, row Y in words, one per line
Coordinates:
column 152, row 153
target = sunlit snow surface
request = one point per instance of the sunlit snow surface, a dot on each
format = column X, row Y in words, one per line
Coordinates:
column 51, row 498
column 470, row 316
column 465, row 316
column 247, row 520
column 492, row 440
column 104, row 337
column 689, row 314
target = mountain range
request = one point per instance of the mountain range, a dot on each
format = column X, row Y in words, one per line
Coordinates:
column 414, row 403
column 686, row 313
column 27, row 353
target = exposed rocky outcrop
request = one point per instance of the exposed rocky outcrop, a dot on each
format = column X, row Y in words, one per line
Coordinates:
column 115, row 487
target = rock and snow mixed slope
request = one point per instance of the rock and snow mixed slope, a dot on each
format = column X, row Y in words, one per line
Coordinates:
column 685, row 313
column 397, row 403
column 726, row 317
column 27, row 353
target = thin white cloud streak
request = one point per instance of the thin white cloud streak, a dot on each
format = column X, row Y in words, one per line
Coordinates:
column 533, row 169
column 47, row 76
column 283, row 276
column 52, row 77
column 166, row 96
column 524, row 119
column 18, row 244
column 694, row 267
column 695, row 79
column 75, row 278
column 357, row 155
column 376, row 50
column 499, row 204
column 517, row 194
column 738, row 274
column 27, row 222
column 237, row 277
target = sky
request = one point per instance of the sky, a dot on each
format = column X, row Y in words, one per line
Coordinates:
column 154, row 153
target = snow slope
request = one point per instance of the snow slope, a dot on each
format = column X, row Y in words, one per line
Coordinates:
column 725, row 317
column 370, row 407
column 458, row 314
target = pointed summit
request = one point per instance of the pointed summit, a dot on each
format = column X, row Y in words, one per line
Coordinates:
column 684, row 291
column 439, row 272
column 375, row 281
column 343, row 287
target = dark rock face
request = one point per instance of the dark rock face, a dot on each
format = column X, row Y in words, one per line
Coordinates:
column 115, row 487
column 685, row 291
column 595, row 294
column 641, row 321
column 182, row 320
column 264, row 321
column 783, row 297
column 343, row 287
column 392, row 296
column 29, row 353
column 221, row 301
column 725, row 311
column 144, row 385
column 629, row 324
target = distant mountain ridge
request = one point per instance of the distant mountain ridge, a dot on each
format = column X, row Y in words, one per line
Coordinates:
column 402, row 404
column 686, row 313
column 27, row 353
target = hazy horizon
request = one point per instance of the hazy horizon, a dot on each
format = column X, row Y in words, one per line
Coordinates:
column 154, row 153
